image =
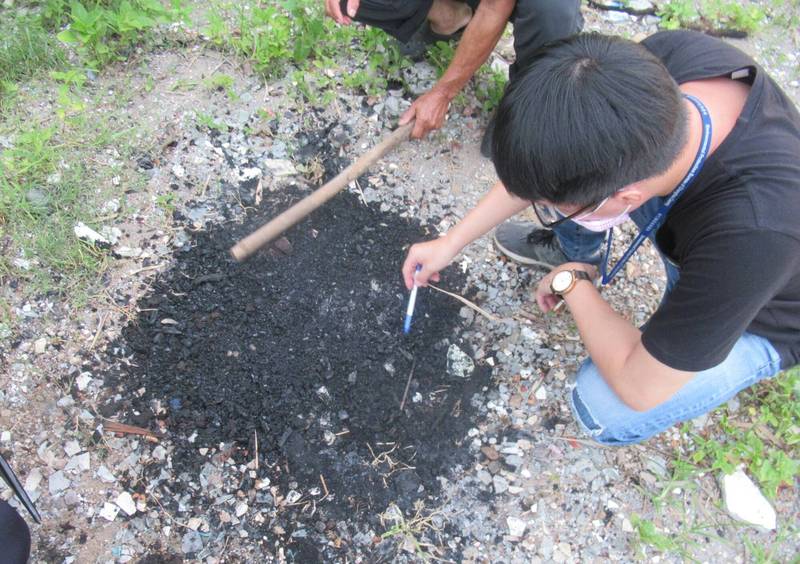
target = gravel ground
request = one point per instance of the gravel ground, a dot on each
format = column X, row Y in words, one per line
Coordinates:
column 529, row 487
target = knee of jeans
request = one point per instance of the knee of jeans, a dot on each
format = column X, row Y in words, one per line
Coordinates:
column 605, row 431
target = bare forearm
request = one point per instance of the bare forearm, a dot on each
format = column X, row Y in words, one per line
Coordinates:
column 615, row 346
column 494, row 208
column 475, row 46
column 609, row 338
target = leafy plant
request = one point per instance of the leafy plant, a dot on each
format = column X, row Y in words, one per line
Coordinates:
column 100, row 30
column 718, row 16
column 206, row 120
column 26, row 46
column 767, row 442
column 222, row 82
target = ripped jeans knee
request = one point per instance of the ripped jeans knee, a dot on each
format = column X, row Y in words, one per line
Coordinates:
column 608, row 420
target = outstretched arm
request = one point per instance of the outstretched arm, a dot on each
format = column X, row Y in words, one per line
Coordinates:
column 480, row 37
column 494, row 208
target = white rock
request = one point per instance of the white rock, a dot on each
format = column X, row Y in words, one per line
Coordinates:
column 541, row 393
column 745, row 502
column 86, row 233
column 516, row 526
column 241, row 509
column 459, row 363
column 72, row 448
column 194, row 523
column 125, row 502
column 40, row 345
column 58, row 482
column 626, row 525
column 159, row 453
column 81, row 463
column 280, row 167
column 109, row 511
column 178, row 171
column 33, row 480
column 83, row 380
column 500, row 484
column 5, row 436
column 105, row 475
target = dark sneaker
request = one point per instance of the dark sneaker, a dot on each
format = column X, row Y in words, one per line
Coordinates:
column 525, row 243
column 417, row 45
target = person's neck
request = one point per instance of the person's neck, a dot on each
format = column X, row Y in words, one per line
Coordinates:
column 667, row 182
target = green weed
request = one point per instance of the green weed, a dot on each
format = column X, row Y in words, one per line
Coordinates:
column 717, row 16
column 166, row 202
column 491, row 87
column 26, row 47
column 293, row 37
column 764, row 436
column 206, row 120
column 440, row 55
column 47, row 185
column 222, row 83
column 102, row 31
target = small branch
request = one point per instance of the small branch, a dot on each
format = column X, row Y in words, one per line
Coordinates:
column 466, row 302
column 255, row 439
column 99, row 329
column 116, row 427
column 408, row 383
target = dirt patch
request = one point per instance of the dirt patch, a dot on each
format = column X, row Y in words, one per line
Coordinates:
column 301, row 347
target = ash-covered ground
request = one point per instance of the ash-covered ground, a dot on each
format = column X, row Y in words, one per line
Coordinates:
column 298, row 352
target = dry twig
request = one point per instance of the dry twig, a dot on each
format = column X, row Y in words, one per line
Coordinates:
column 408, row 383
column 467, row 303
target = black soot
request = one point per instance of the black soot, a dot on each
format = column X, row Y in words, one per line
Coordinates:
column 302, row 348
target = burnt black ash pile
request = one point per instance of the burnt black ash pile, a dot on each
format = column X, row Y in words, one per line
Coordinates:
column 300, row 349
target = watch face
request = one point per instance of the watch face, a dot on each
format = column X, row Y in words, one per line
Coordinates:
column 562, row 281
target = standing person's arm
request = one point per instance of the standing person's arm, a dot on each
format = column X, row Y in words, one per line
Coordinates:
column 476, row 44
column 493, row 209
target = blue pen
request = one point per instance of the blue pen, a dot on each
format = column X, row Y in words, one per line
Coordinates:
column 412, row 300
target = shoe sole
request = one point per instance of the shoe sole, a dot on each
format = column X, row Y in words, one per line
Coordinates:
column 520, row 258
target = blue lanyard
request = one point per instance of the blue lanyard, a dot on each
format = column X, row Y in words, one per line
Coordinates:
column 658, row 219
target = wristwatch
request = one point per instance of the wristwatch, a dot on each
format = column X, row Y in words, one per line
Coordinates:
column 564, row 281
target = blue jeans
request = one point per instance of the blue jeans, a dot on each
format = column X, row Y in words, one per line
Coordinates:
column 598, row 410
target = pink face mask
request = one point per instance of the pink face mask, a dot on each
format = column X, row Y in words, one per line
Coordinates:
column 602, row 223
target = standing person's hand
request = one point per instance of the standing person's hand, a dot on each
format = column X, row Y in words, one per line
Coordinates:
column 334, row 10
column 432, row 256
column 429, row 111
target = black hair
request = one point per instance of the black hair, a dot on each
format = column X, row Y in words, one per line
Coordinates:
column 587, row 116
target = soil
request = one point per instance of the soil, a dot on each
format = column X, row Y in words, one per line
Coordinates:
column 301, row 349
column 295, row 344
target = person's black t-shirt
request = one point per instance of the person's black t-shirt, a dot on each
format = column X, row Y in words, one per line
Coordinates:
column 735, row 232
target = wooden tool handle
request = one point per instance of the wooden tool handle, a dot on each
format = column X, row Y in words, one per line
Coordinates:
column 266, row 233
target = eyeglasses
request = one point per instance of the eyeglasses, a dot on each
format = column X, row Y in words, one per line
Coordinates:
column 550, row 216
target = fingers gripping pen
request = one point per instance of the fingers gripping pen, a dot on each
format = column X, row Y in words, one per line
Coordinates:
column 412, row 299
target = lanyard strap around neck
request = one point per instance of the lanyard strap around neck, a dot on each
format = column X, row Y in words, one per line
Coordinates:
column 660, row 216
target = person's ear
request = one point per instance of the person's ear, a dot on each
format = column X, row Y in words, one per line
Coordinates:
column 632, row 195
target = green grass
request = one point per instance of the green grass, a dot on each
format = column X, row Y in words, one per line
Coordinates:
column 26, row 47
column 48, row 183
column 763, row 435
column 716, row 16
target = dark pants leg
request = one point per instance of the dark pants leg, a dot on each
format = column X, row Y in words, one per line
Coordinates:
column 15, row 538
column 398, row 18
column 537, row 22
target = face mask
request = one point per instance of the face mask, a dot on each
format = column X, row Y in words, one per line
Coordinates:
column 603, row 223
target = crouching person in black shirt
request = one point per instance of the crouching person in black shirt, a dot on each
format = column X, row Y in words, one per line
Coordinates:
column 688, row 138
column 417, row 23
